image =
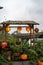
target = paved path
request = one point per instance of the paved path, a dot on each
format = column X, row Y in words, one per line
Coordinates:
column 21, row 63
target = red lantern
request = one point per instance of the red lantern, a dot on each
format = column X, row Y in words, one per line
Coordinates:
column 36, row 30
column 28, row 28
column 4, row 44
column 19, row 28
column 23, row 57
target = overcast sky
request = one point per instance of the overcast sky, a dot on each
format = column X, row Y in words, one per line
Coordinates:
column 22, row 10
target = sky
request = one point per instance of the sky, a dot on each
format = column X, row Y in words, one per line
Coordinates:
column 22, row 10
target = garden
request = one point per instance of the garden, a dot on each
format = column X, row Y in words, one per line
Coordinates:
column 12, row 49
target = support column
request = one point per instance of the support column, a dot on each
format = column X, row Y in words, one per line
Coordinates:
column 32, row 34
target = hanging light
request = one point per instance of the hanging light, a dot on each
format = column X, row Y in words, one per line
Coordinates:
column 19, row 28
column 36, row 30
column 23, row 57
column 28, row 28
column 4, row 44
column 8, row 29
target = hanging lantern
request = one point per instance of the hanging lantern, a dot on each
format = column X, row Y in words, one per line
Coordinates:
column 19, row 28
column 4, row 44
column 18, row 43
column 36, row 30
column 23, row 57
column 28, row 28
column 8, row 29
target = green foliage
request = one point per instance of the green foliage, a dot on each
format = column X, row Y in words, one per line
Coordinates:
column 39, row 50
column 11, row 39
column 41, row 58
column 17, row 48
column 25, row 45
column 8, row 37
column 3, row 61
column 32, row 55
